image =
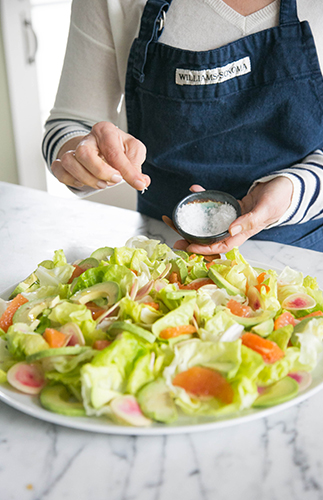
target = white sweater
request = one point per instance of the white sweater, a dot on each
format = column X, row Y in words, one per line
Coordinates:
column 93, row 78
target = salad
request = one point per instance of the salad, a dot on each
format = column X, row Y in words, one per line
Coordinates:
column 143, row 334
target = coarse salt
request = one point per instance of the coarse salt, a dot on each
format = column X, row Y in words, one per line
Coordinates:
column 205, row 218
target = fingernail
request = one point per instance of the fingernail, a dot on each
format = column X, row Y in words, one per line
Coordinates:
column 78, row 184
column 139, row 185
column 101, row 184
column 116, row 178
column 235, row 230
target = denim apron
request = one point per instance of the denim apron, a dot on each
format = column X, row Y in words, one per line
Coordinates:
column 223, row 118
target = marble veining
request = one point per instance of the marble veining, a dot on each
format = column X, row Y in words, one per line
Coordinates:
column 274, row 458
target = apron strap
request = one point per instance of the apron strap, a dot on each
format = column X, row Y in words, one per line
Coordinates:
column 288, row 12
column 152, row 23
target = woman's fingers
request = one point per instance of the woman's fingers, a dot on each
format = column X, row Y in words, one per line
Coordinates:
column 63, row 176
column 70, row 167
column 122, row 152
column 169, row 222
column 103, row 158
column 196, row 188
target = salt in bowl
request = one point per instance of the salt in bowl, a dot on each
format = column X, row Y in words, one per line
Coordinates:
column 205, row 217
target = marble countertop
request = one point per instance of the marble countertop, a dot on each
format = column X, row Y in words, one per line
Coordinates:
column 273, row 458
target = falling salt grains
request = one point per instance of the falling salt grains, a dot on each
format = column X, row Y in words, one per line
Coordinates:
column 206, row 218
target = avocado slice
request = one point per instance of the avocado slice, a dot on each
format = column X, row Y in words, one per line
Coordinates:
column 252, row 321
column 88, row 263
column 56, row 398
column 28, row 312
column 124, row 326
column 24, row 285
column 179, row 267
column 108, row 289
column 223, row 283
column 281, row 391
column 156, row 402
column 61, row 351
column 102, row 253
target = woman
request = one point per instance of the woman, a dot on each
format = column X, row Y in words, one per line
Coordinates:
column 224, row 94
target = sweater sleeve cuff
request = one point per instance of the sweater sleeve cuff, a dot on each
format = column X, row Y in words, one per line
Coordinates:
column 66, row 138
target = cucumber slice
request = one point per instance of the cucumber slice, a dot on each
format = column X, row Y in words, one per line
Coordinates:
column 281, row 391
column 156, row 402
column 56, row 398
column 61, row 351
column 265, row 328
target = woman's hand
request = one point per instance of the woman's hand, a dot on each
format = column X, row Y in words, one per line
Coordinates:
column 265, row 204
column 104, row 157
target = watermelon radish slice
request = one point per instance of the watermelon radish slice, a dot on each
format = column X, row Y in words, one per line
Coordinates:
column 27, row 378
column 73, row 333
column 255, row 300
column 298, row 301
column 127, row 410
column 304, row 379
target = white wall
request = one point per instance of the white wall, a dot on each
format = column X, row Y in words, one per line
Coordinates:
column 8, row 166
column 46, row 15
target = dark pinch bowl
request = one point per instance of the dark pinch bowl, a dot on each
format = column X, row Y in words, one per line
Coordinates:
column 205, row 196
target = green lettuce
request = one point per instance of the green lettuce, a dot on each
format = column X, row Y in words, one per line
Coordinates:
column 23, row 341
column 224, row 357
column 273, row 372
column 141, row 374
column 66, row 312
column 179, row 316
column 106, row 376
column 216, row 326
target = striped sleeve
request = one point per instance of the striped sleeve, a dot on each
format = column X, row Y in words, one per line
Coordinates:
column 57, row 133
column 307, row 200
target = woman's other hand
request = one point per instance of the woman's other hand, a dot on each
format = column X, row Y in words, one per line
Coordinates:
column 264, row 205
column 104, row 157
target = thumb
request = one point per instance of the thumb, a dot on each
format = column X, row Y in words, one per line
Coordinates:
column 251, row 223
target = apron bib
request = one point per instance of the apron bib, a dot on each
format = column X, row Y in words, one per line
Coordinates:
column 225, row 117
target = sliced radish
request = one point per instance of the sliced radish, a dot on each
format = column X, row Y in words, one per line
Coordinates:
column 27, row 378
column 144, row 290
column 304, row 379
column 74, row 334
column 152, row 361
column 298, row 301
column 134, row 289
column 127, row 409
column 165, row 271
column 159, row 284
column 108, row 312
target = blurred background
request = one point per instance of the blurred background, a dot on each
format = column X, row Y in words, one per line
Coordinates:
column 33, row 36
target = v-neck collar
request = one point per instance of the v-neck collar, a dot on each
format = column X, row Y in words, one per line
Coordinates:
column 245, row 23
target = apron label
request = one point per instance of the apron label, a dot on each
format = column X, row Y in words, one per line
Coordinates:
column 215, row 75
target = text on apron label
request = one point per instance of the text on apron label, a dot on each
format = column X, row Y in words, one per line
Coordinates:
column 214, row 75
